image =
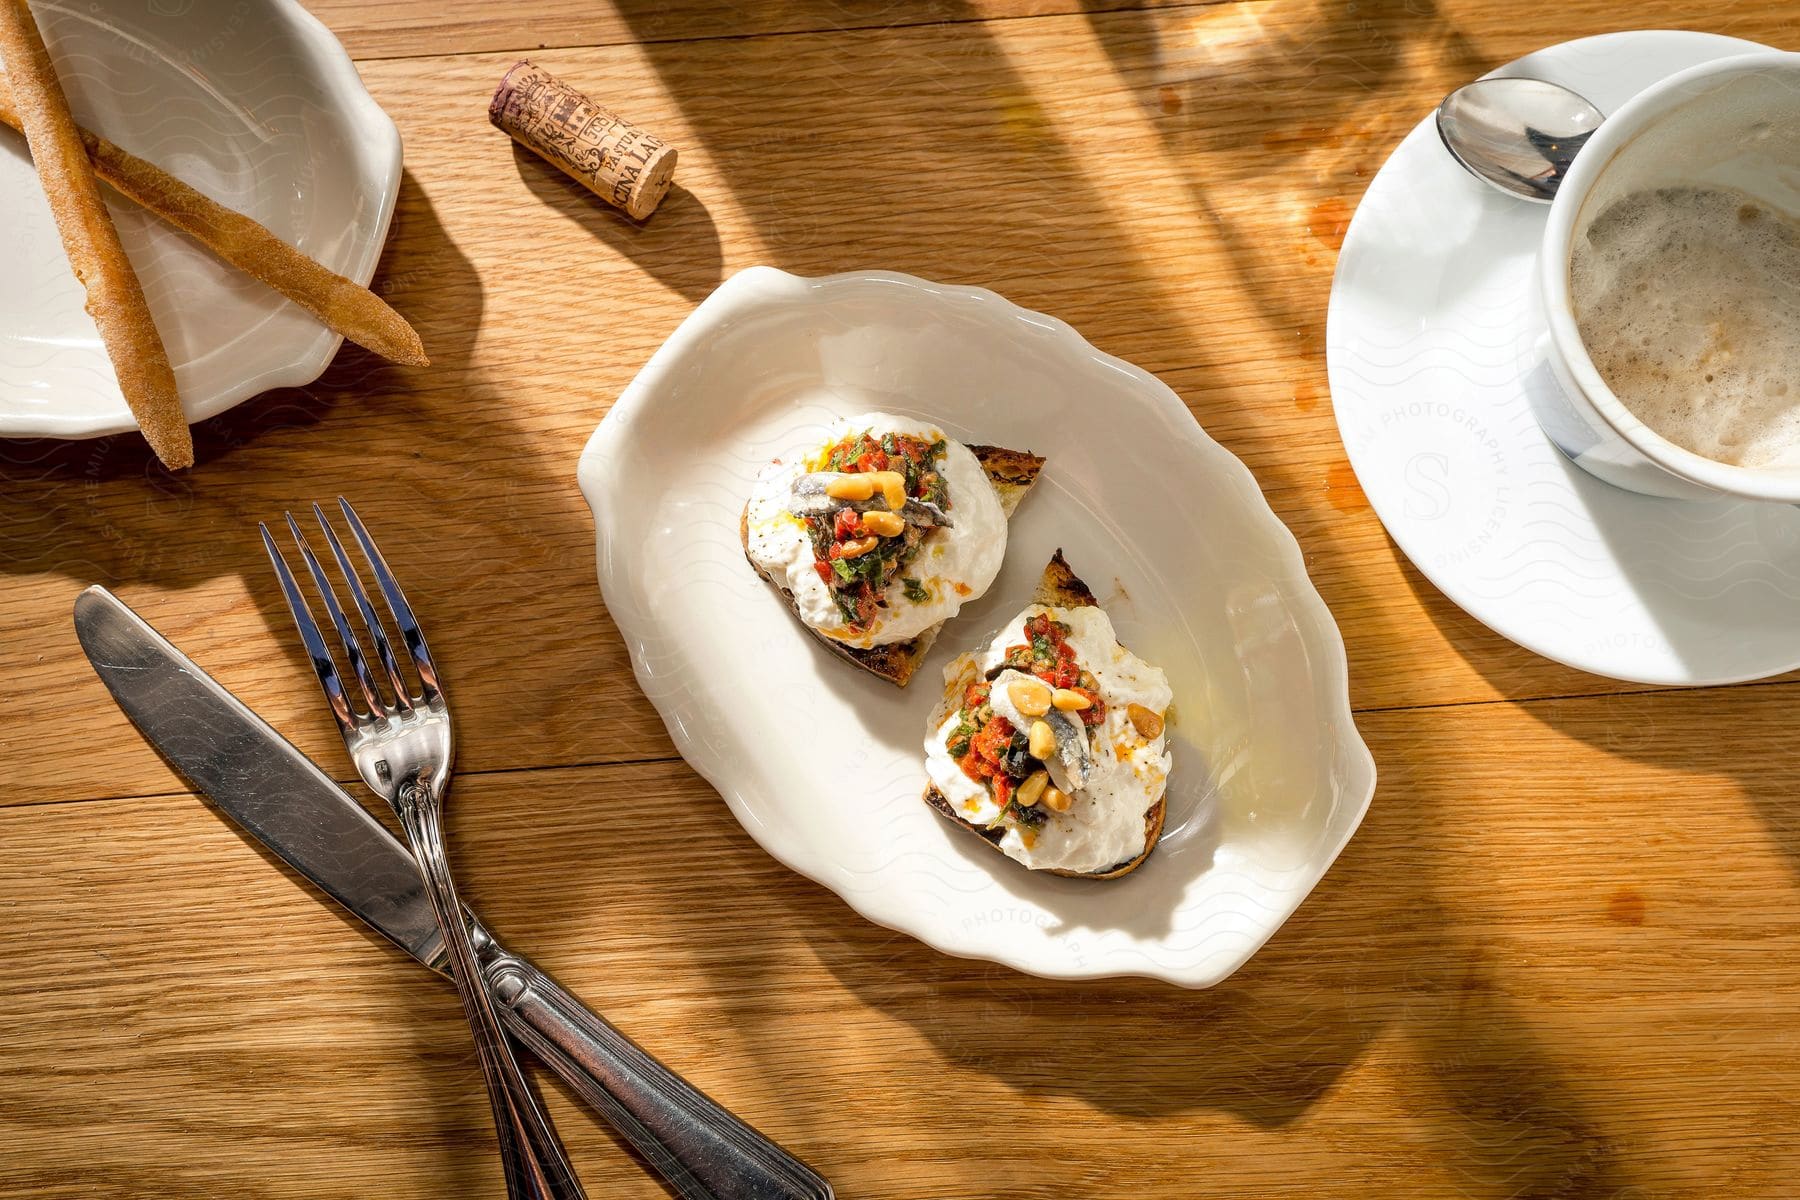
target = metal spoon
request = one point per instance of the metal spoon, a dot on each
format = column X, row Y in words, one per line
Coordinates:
column 1520, row 135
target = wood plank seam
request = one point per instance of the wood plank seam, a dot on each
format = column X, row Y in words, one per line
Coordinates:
column 351, row 784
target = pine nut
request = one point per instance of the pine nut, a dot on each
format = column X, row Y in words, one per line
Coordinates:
column 1029, row 697
column 1031, row 789
column 1042, row 740
column 1055, row 799
column 856, row 548
column 851, row 487
column 1067, row 700
column 883, row 524
column 893, row 488
column 1147, row 722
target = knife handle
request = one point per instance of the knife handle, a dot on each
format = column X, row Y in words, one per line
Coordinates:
column 704, row 1152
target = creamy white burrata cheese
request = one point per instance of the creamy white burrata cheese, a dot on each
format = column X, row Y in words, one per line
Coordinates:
column 1127, row 773
column 954, row 565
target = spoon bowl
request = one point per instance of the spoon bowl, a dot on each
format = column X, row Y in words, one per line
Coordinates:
column 1519, row 135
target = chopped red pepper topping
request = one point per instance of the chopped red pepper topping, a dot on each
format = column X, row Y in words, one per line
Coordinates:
column 1046, row 653
column 858, row 583
column 981, row 739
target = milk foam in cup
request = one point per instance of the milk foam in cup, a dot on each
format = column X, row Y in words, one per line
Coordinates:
column 1688, row 302
column 1668, row 256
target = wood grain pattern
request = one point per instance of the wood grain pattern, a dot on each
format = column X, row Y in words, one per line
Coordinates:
column 1577, row 982
column 1204, row 255
column 1557, row 961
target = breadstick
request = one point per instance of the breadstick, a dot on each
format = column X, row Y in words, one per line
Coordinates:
column 115, row 299
column 337, row 302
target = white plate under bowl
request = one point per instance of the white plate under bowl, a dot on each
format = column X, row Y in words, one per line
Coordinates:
column 254, row 103
column 823, row 763
column 1432, row 346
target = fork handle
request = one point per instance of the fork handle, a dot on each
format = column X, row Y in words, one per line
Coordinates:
column 536, row 1165
column 703, row 1151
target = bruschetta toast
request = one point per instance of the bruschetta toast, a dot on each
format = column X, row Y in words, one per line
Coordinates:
column 877, row 537
column 1049, row 743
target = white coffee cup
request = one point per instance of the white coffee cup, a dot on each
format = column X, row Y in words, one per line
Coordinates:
column 1732, row 123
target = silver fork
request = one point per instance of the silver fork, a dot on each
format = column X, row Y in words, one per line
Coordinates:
column 402, row 747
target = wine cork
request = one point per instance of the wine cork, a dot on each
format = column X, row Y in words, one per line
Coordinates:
column 624, row 165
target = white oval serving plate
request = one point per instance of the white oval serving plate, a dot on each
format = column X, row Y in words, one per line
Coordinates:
column 823, row 764
column 257, row 105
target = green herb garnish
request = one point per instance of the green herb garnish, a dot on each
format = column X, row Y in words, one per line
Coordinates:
column 1031, row 818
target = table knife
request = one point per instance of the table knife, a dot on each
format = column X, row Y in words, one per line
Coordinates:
column 282, row 799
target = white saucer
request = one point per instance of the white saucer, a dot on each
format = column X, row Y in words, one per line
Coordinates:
column 1431, row 345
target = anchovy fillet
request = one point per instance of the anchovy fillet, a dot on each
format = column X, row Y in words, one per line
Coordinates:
column 1071, row 746
column 809, row 499
column 1069, row 767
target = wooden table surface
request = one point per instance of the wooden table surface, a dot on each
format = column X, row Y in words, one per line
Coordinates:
column 1559, row 959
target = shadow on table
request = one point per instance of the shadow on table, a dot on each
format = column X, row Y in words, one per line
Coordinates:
column 104, row 511
column 62, row 511
column 1370, row 956
column 446, row 442
column 677, row 245
column 1701, row 730
column 1323, row 84
column 488, row 518
column 1368, row 962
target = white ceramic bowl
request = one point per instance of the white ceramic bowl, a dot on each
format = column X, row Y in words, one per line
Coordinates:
column 1732, row 123
column 254, row 103
column 823, row 764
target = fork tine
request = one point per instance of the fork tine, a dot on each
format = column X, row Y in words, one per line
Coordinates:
column 352, row 645
column 396, row 600
column 377, row 632
column 311, row 638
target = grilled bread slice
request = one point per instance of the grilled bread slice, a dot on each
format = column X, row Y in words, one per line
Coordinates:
column 1012, row 472
column 1059, row 587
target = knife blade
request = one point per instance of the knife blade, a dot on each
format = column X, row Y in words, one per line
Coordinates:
column 257, row 776
column 282, row 799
